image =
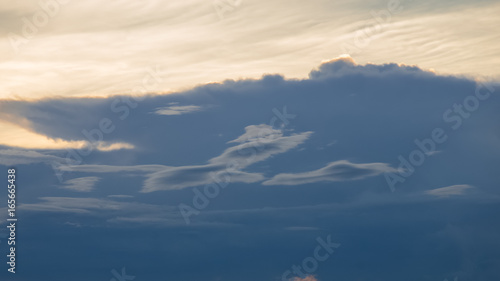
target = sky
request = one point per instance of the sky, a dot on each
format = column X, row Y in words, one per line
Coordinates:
column 90, row 48
column 251, row 140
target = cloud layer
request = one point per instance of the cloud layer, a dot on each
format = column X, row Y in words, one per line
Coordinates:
column 257, row 144
column 191, row 44
column 328, row 138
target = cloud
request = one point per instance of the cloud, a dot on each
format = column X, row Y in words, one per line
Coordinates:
column 258, row 133
column 185, row 39
column 104, row 210
column 84, row 184
column 104, row 146
column 258, row 143
column 449, row 190
column 346, row 66
column 191, row 176
column 70, row 205
column 65, row 119
column 11, row 157
column 373, row 116
column 73, row 224
column 18, row 156
column 177, row 109
column 120, row 196
column 342, row 170
column 89, row 205
column 136, row 169
column 195, row 149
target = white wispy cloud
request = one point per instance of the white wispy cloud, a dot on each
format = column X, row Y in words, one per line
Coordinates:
column 112, row 169
column 9, row 157
column 258, row 143
column 106, row 210
column 84, row 184
column 120, row 196
column 86, row 205
column 177, row 109
column 449, row 190
column 342, row 170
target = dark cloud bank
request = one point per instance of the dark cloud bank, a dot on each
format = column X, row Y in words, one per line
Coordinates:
column 293, row 160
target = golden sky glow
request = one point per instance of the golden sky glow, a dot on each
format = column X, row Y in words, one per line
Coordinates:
column 95, row 48
column 17, row 136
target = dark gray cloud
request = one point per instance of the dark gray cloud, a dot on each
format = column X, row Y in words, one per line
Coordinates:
column 335, row 133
